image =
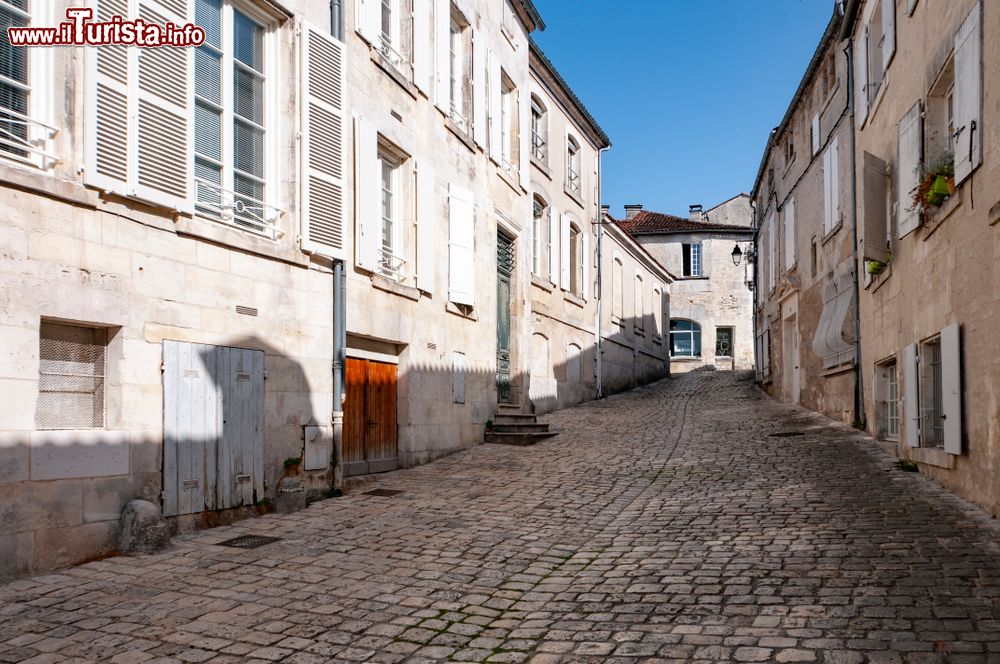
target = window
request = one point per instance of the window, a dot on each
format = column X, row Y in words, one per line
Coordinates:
column 887, row 399
column 789, row 234
column 390, row 22
column 831, row 186
column 724, row 342
column 459, row 78
column 814, row 257
column 691, row 254
column 389, row 261
column 790, row 147
column 539, row 234
column 877, row 48
column 875, row 44
column 685, row 338
column 931, row 396
column 575, row 260
column 22, row 137
column 932, row 392
column 573, row 183
column 509, row 145
column 617, row 285
column 657, row 313
column 639, row 304
column 230, row 118
column 939, row 141
column 539, row 131
column 71, row 377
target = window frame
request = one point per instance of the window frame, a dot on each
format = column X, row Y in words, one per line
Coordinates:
column 539, row 233
column 888, row 399
column 639, row 303
column 732, row 341
column 692, row 263
column 574, row 178
column 694, row 334
column 539, row 130
column 391, row 263
column 930, row 397
column 575, row 259
column 509, row 118
column 617, row 288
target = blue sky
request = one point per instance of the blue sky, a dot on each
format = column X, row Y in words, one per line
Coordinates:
column 686, row 90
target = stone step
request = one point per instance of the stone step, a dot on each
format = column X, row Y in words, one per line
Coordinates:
column 514, row 418
column 519, row 439
column 519, row 427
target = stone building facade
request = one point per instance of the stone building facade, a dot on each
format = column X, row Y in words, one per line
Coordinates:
column 805, row 301
column 710, row 321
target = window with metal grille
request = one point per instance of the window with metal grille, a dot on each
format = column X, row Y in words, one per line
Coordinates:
column 931, row 395
column 71, row 376
column 229, row 135
column 14, row 83
column 887, row 399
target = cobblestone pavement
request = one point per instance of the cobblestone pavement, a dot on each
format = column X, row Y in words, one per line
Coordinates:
column 678, row 522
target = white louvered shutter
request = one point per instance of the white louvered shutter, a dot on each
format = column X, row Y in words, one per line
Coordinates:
column 874, row 208
column 587, row 258
column 461, row 246
column 480, row 128
column 442, row 65
column 772, row 258
column 889, row 32
column 862, row 68
column 427, row 228
column 951, row 388
column 164, row 132
column 554, row 254
column 494, row 105
column 564, row 259
column 323, row 143
column 835, row 180
column 366, row 19
column 911, row 141
column 107, row 146
column 817, row 140
column 524, row 133
column 366, row 194
column 968, row 95
column 423, row 56
column 789, row 233
column 911, row 409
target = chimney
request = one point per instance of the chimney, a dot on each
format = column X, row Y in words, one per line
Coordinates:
column 605, row 210
column 696, row 214
column 632, row 210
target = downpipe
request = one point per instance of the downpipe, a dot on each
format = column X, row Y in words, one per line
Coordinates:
column 859, row 386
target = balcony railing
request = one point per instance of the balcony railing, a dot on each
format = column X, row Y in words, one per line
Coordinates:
column 236, row 209
column 460, row 120
column 391, row 265
column 508, row 166
column 393, row 57
column 25, row 139
column 573, row 181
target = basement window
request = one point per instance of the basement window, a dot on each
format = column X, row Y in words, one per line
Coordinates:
column 71, row 376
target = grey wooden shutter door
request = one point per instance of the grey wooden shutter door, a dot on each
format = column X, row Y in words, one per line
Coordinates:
column 951, row 387
column 911, row 141
column 968, row 95
column 323, row 143
column 876, row 184
column 241, row 452
column 911, row 408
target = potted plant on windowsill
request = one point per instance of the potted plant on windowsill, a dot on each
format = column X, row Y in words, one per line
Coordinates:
column 937, row 183
column 875, row 268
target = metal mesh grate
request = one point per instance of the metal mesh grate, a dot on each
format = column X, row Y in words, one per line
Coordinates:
column 505, row 254
column 71, row 377
column 385, row 493
column 249, row 541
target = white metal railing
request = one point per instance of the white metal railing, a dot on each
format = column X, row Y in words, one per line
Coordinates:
column 34, row 141
column 389, row 53
column 538, row 146
column 573, row 180
column 391, row 265
column 459, row 119
column 508, row 166
column 236, row 209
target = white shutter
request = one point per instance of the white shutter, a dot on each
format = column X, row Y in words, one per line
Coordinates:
column 875, row 197
column 817, row 140
column 322, row 147
column 911, row 141
column 479, row 93
column 366, row 13
column 461, row 246
column 564, row 260
column 968, row 95
column 911, row 409
column 827, row 193
column 554, row 254
column 772, row 247
column 110, row 70
column 951, row 388
column 442, row 64
column 426, row 228
column 587, row 258
column 861, row 94
column 494, row 105
column 835, row 181
column 423, row 57
column 789, row 233
column 889, row 32
column 366, row 194
column 524, row 132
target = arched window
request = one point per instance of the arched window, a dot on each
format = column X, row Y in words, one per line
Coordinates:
column 639, row 306
column 573, row 363
column 685, row 338
column 616, row 290
column 539, row 234
column 573, row 183
column 539, row 130
column 575, row 260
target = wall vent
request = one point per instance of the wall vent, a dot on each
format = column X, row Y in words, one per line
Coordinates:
column 246, row 311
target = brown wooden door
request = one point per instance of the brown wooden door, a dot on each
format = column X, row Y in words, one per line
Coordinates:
column 370, row 418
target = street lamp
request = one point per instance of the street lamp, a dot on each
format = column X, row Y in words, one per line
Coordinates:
column 737, row 255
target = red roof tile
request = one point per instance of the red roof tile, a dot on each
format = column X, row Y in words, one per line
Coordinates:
column 655, row 222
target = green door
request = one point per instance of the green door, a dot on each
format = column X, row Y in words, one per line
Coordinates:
column 505, row 268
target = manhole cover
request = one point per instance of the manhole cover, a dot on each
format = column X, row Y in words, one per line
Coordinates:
column 386, row 493
column 249, row 541
column 785, row 434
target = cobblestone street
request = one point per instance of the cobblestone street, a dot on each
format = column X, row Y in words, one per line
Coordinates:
column 693, row 519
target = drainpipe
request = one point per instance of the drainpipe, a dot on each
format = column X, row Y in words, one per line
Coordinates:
column 339, row 352
column 859, row 393
column 753, row 295
column 598, row 367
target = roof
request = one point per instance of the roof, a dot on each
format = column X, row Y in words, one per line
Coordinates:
column 656, row 223
column 610, row 222
column 742, row 194
column 585, row 119
column 529, row 9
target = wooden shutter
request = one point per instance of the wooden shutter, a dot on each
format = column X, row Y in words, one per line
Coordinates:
column 366, row 194
column 876, row 183
column 831, row 186
column 426, row 228
column 968, row 95
column 322, row 147
column 480, row 126
column 889, row 32
column 817, row 140
column 772, row 251
column 911, row 409
column 461, row 246
column 423, row 57
column 586, row 258
column 493, row 101
column 164, row 132
column 564, row 258
column 861, row 94
column 789, row 233
column 951, row 388
column 554, row 254
column 911, row 142
column 366, row 18
column 442, row 64
column 524, row 133
column 110, row 70
column 827, row 178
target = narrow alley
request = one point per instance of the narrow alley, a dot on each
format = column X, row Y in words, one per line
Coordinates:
column 692, row 519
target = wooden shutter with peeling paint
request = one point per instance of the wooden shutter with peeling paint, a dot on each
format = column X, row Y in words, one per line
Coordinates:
column 888, row 32
column 586, row 258
column 322, row 147
column 969, row 95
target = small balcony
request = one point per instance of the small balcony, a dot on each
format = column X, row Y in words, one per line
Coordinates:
column 237, row 210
